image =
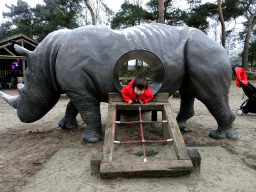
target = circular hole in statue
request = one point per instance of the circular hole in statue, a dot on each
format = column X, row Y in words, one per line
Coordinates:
column 139, row 63
column 132, row 69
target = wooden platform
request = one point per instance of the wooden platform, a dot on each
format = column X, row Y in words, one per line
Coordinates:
column 111, row 169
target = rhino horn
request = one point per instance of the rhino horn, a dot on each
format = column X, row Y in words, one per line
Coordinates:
column 11, row 100
column 21, row 50
column 20, row 86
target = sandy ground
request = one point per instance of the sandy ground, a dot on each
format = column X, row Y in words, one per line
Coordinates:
column 24, row 148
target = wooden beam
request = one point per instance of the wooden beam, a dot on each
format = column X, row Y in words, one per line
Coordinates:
column 11, row 53
column 165, row 128
column 109, row 134
column 95, row 162
column 159, row 97
column 115, row 97
column 23, row 63
column 29, row 43
column 13, row 57
column 30, row 39
column 19, row 36
column 6, row 45
column 174, row 130
column 151, row 106
column 146, row 169
column 11, row 38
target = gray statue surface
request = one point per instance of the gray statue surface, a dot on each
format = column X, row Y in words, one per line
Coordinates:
column 84, row 64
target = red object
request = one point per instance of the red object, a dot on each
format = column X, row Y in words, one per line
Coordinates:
column 241, row 73
column 129, row 94
column 143, row 141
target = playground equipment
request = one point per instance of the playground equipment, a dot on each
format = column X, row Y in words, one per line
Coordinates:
column 103, row 162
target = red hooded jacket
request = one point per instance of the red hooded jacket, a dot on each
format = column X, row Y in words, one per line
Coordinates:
column 129, row 94
column 241, row 73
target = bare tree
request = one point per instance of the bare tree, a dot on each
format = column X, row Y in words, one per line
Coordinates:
column 223, row 37
column 91, row 11
column 137, row 2
column 251, row 24
column 161, row 11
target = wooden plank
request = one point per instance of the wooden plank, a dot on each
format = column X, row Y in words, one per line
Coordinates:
column 146, row 107
column 95, row 162
column 116, row 97
column 161, row 97
column 23, row 63
column 196, row 159
column 146, row 169
column 29, row 43
column 13, row 57
column 165, row 128
column 11, row 53
column 179, row 145
column 6, row 45
column 109, row 134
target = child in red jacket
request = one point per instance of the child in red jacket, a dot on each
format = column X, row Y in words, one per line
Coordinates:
column 137, row 91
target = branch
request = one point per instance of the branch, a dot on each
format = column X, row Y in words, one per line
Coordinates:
column 91, row 11
column 222, row 23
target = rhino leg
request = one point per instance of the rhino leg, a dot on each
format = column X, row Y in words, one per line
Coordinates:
column 69, row 120
column 208, row 78
column 224, row 117
column 186, row 107
column 89, row 109
column 215, row 97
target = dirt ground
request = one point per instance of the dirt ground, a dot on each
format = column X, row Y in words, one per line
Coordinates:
column 24, row 148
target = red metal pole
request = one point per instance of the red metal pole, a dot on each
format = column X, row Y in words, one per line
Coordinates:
column 143, row 141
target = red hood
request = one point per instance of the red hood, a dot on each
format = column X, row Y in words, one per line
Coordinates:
column 241, row 73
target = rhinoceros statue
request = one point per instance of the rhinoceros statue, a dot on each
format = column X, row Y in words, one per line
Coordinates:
column 84, row 64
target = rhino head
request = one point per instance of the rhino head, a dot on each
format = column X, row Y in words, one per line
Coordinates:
column 38, row 95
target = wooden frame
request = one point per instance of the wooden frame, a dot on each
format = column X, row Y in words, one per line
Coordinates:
column 110, row 169
column 10, row 41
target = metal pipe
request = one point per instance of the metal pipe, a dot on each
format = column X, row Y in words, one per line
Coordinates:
column 145, row 141
column 134, row 122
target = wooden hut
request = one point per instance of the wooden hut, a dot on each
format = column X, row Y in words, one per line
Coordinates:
column 12, row 66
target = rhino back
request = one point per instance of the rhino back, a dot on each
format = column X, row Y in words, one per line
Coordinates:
column 87, row 55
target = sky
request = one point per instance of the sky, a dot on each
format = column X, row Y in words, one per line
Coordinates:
column 115, row 5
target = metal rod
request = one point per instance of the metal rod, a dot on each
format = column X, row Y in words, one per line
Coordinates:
column 145, row 141
column 146, row 122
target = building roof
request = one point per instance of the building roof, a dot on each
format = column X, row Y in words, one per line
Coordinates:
column 16, row 38
column 7, row 51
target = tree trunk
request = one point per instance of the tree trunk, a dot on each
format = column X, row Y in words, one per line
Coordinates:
column 91, row 11
column 136, row 64
column 251, row 24
column 223, row 37
column 161, row 11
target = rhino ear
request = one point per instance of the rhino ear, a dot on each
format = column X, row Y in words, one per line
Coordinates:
column 21, row 50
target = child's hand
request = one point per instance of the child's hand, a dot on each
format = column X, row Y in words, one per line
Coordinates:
column 141, row 101
column 130, row 102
